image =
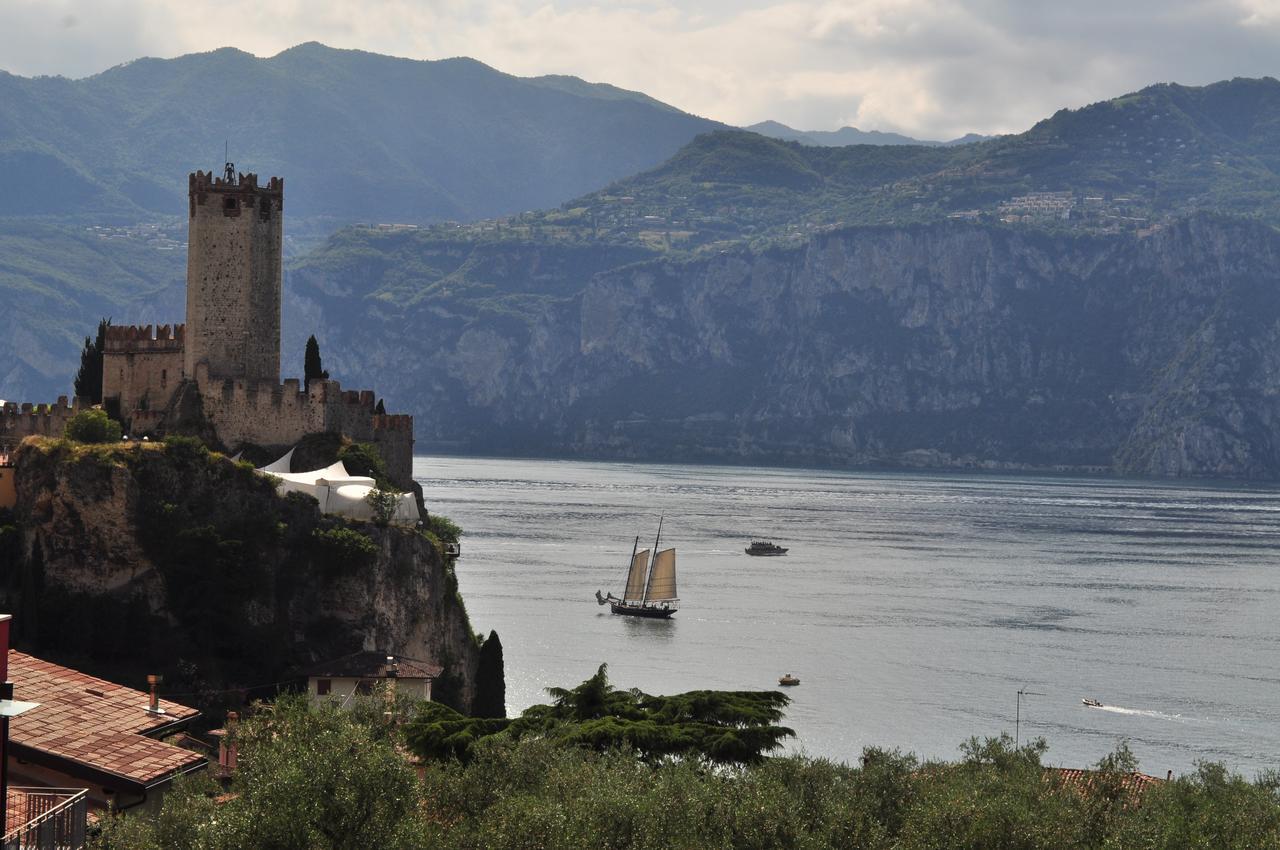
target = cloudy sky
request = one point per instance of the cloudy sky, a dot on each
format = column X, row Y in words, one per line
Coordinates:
column 930, row 68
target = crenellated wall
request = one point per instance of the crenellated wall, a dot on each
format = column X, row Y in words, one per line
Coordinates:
column 270, row 414
column 19, row 421
column 141, row 367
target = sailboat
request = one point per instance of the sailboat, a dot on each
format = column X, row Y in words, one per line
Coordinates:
column 651, row 585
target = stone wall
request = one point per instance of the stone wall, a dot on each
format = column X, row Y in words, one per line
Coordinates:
column 234, row 276
column 141, row 367
column 393, row 435
column 279, row 415
column 17, row 422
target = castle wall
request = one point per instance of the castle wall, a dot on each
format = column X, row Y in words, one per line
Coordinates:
column 269, row 414
column 234, row 276
column 141, row 368
column 230, row 345
column 17, row 422
column 393, row 435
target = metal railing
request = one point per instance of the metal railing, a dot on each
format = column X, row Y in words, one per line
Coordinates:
column 46, row 819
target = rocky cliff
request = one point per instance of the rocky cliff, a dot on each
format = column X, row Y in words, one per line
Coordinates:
column 171, row 559
column 944, row 345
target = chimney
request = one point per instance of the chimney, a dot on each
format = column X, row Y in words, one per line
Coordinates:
column 154, row 708
column 393, row 669
column 1168, row 777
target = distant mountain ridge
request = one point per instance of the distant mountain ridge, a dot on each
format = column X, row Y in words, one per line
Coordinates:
column 1135, row 160
column 851, row 136
column 359, row 136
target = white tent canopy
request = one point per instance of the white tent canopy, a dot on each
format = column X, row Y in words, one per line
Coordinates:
column 338, row 491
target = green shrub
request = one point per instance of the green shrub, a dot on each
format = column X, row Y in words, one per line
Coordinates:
column 342, row 550
column 384, row 503
column 92, row 426
column 365, row 459
column 445, row 529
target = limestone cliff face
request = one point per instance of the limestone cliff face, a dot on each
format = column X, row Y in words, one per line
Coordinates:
column 935, row 346
column 175, row 560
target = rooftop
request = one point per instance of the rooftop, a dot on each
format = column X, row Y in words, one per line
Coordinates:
column 96, row 723
column 372, row 665
column 1134, row 785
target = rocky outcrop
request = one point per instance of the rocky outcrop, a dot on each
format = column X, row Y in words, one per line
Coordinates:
column 943, row 345
column 172, row 559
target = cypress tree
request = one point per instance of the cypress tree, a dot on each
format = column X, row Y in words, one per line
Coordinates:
column 491, row 684
column 312, row 370
column 89, row 377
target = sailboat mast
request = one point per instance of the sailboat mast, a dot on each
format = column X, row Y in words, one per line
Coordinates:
column 648, row 581
column 634, row 547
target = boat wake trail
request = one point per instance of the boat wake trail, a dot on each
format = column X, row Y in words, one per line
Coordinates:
column 1140, row 712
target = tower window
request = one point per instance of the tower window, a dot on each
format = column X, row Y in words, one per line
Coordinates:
column 230, row 206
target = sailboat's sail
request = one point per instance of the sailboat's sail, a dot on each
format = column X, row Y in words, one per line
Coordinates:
column 662, row 581
column 636, row 576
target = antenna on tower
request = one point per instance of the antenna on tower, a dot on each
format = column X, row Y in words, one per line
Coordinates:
column 229, row 169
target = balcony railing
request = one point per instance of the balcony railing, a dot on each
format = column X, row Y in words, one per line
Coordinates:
column 46, row 819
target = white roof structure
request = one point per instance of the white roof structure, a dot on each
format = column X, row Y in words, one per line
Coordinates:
column 338, row 491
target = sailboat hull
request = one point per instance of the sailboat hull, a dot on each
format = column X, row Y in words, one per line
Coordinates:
column 651, row 611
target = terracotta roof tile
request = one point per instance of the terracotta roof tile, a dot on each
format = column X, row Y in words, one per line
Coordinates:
column 95, row 722
column 1133, row 785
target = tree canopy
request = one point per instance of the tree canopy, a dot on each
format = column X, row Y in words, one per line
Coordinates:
column 88, row 381
column 92, row 426
column 312, row 369
column 726, row 727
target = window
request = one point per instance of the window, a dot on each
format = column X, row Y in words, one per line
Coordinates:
column 323, row 687
column 164, row 378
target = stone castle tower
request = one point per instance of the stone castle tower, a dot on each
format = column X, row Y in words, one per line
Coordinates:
column 222, row 368
column 234, row 271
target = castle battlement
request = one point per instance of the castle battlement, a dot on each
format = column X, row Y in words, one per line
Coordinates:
column 393, row 422
column 19, row 421
column 59, row 408
column 207, row 181
column 130, row 339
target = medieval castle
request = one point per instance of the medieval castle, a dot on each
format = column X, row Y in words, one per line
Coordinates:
column 223, row 365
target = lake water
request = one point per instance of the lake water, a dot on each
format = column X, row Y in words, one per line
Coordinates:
column 913, row 607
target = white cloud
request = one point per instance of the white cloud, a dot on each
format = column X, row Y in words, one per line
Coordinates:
column 933, row 68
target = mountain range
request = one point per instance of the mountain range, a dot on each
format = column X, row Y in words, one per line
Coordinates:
column 850, row 136
column 359, row 136
column 1106, row 300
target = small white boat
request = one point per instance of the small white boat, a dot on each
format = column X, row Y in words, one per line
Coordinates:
column 1091, row 703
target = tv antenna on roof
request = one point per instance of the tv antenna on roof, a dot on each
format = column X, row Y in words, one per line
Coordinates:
column 229, row 168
